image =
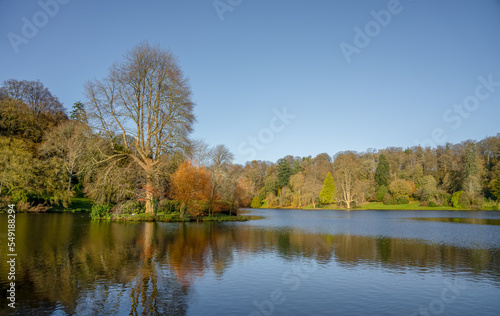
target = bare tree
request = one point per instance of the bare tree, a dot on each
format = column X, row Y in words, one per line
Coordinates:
column 297, row 183
column 220, row 159
column 69, row 141
column 146, row 102
column 199, row 152
column 35, row 95
column 220, row 156
column 315, row 170
column 346, row 167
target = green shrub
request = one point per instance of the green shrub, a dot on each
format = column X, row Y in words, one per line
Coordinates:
column 99, row 211
column 455, row 199
column 433, row 204
column 388, row 199
column 19, row 195
column 471, row 201
column 381, row 192
column 440, row 198
column 169, row 206
column 129, row 207
column 491, row 206
column 403, row 200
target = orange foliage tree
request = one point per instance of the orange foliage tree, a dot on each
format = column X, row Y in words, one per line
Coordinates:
column 190, row 184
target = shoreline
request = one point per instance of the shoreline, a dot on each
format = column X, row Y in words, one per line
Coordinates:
column 171, row 218
column 378, row 206
column 82, row 205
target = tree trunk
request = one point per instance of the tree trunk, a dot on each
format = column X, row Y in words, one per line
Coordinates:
column 69, row 184
column 149, row 198
column 183, row 209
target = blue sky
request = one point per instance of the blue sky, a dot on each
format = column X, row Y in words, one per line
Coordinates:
column 416, row 64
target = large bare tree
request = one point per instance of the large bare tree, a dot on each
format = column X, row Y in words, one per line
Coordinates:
column 145, row 105
column 346, row 169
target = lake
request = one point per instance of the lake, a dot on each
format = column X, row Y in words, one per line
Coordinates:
column 290, row 262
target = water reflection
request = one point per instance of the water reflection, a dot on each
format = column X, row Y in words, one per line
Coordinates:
column 460, row 220
column 68, row 264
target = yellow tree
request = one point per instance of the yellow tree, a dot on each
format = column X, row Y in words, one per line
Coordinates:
column 401, row 187
column 144, row 105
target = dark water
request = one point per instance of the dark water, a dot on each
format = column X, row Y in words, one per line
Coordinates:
column 290, row 263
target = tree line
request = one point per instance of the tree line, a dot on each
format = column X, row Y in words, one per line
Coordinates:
column 464, row 175
column 128, row 146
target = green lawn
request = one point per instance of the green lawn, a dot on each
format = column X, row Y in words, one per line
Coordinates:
column 413, row 206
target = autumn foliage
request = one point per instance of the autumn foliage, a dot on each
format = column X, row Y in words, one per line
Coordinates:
column 192, row 186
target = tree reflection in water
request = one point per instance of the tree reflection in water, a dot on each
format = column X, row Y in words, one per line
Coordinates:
column 78, row 266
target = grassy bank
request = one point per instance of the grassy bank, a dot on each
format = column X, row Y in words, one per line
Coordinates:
column 379, row 206
column 171, row 218
column 413, row 206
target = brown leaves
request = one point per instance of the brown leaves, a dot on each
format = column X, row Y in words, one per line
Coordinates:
column 190, row 183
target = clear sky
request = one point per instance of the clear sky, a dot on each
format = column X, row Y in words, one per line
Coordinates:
column 420, row 71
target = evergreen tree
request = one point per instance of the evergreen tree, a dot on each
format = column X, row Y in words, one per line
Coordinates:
column 284, row 173
column 495, row 188
column 78, row 113
column 296, row 166
column 471, row 177
column 327, row 194
column 382, row 172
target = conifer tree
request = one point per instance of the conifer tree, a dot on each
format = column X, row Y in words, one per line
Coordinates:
column 382, row 172
column 327, row 194
column 495, row 188
column 284, row 173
